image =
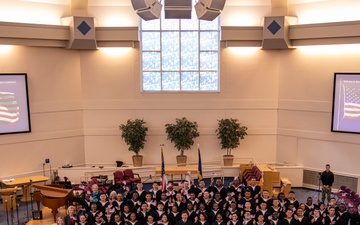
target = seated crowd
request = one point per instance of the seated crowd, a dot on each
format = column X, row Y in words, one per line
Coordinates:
column 236, row 204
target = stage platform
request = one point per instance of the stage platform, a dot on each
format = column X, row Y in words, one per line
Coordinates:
column 78, row 174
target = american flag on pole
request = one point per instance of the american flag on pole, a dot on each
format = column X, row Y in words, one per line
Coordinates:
column 351, row 101
column 163, row 175
column 9, row 108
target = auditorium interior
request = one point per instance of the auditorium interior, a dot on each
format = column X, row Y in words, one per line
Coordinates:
column 81, row 89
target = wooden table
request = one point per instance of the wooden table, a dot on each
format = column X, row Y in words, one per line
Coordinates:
column 24, row 183
column 9, row 198
column 177, row 170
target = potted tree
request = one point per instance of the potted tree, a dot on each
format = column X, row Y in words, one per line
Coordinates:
column 134, row 133
column 230, row 132
column 182, row 133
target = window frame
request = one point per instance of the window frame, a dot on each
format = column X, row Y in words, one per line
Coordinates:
column 180, row 71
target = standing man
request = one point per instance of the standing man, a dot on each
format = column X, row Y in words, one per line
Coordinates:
column 327, row 179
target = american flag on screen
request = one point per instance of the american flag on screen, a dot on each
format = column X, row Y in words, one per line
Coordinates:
column 163, row 175
column 352, row 101
column 9, row 108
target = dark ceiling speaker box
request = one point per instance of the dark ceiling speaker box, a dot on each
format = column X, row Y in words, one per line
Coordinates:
column 178, row 9
column 147, row 9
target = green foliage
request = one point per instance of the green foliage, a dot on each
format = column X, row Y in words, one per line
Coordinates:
column 230, row 132
column 182, row 133
column 134, row 133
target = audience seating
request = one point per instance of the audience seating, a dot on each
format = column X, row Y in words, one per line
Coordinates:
column 349, row 197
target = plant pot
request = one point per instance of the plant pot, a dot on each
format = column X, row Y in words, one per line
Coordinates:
column 181, row 160
column 228, row 160
column 137, row 160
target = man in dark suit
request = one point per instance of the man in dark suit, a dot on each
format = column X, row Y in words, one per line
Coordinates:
column 184, row 219
column 327, row 179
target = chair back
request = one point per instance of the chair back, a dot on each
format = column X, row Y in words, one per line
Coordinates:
column 118, row 175
column 128, row 173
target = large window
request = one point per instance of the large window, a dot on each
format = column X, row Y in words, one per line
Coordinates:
column 180, row 55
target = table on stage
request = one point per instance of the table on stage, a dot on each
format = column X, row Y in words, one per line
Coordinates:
column 177, row 170
column 24, row 183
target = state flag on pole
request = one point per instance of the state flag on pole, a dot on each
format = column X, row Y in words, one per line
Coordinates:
column 200, row 176
column 163, row 175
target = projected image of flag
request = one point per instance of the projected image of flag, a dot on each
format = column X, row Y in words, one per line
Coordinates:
column 9, row 108
column 351, row 101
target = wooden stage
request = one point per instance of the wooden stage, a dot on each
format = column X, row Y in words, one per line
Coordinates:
column 48, row 217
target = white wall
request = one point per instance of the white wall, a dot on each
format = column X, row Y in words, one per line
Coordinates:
column 56, row 110
column 305, row 106
column 79, row 98
column 111, row 93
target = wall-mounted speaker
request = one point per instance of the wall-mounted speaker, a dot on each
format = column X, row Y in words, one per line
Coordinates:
column 147, row 9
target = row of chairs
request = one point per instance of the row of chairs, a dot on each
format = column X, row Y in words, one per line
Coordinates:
column 126, row 177
column 350, row 197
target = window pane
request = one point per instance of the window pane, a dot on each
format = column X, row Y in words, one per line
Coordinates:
column 151, row 61
column 150, row 24
column 169, row 24
column 189, row 81
column 170, row 81
column 151, row 81
column 189, row 51
column 209, row 60
column 209, row 41
column 209, row 81
column 170, row 51
column 180, row 54
column 209, row 25
column 151, row 41
column 190, row 24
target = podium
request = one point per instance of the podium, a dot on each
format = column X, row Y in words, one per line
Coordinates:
column 9, row 198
